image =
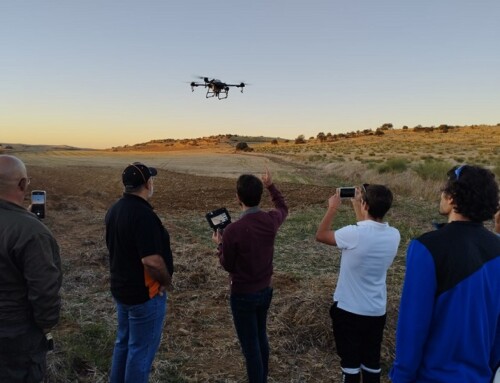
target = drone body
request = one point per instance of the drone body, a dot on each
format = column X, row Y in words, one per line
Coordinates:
column 216, row 88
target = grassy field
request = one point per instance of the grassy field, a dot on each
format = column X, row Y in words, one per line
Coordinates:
column 199, row 344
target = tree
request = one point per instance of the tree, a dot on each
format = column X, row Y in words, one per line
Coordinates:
column 300, row 139
column 274, row 141
column 321, row 137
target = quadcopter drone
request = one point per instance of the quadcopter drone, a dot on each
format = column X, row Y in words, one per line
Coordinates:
column 216, row 88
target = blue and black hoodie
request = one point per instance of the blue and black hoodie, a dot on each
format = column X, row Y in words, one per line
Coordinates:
column 449, row 318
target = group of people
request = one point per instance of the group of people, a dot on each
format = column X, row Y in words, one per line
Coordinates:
column 449, row 319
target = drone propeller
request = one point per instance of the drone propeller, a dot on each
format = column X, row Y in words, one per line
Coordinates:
column 206, row 79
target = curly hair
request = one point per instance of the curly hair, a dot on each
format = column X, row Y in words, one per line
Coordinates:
column 474, row 192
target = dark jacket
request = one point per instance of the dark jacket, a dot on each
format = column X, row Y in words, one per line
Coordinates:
column 30, row 272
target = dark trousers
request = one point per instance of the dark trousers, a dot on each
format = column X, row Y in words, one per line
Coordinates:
column 358, row 339
column 23, row 357
column 250, row 317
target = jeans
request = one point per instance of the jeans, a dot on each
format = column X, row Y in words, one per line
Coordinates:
column 249, row 317
column 137, row 339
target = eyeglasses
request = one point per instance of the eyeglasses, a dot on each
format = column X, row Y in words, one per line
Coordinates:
column 363, row 192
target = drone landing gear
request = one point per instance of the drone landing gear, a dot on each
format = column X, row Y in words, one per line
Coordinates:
column 223, row 93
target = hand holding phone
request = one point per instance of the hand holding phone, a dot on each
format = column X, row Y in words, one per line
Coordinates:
column 38, row 200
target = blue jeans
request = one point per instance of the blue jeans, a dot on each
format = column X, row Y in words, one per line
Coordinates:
column 250, row 317
column 137, row 339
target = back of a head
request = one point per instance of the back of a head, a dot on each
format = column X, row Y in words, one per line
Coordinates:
column 12, row 170
column 474, row 191
column 136, row 175
column 249, row 189
column 379, row 200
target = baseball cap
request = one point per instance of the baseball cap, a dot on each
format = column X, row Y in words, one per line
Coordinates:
column 137, row 174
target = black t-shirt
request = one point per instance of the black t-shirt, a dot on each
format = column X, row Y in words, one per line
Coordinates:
column 134, row 231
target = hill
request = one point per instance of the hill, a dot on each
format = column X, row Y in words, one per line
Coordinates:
column 478, row 144
column 222, row 142
column 7, row 148
column 458, row 143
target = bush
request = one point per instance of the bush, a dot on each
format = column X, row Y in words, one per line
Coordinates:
column 393, row 165
column 243, row 146
column 300, row 139
column 321, row 137
column 432, row 169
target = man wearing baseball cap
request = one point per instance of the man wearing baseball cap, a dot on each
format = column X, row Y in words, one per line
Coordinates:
column 141, row 269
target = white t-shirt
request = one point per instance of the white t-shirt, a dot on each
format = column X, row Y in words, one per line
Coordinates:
column 368, row 249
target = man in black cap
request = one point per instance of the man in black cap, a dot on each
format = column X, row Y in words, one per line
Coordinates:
column 141, row 269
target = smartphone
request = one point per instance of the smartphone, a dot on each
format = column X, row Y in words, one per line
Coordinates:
column 347, row 192
column 38, row 200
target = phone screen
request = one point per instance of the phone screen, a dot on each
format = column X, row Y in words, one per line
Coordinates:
column 347, row 192
column 37, row 197
column 38, row 203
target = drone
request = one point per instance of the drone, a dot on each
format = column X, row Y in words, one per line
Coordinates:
column 216, row 88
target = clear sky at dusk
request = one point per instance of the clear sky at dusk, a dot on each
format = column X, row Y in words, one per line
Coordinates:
column 103, row 73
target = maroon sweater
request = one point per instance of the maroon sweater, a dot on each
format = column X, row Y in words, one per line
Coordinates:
column 248, row 246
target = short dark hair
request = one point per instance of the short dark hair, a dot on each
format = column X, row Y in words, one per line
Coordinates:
column 249, row 189
column 474, row 192
column 379, row 200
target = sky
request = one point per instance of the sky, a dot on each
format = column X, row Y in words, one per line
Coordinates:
column 104, row 73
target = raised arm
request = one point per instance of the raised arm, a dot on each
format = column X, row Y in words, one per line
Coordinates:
column 324, row 233
column 281, row 209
